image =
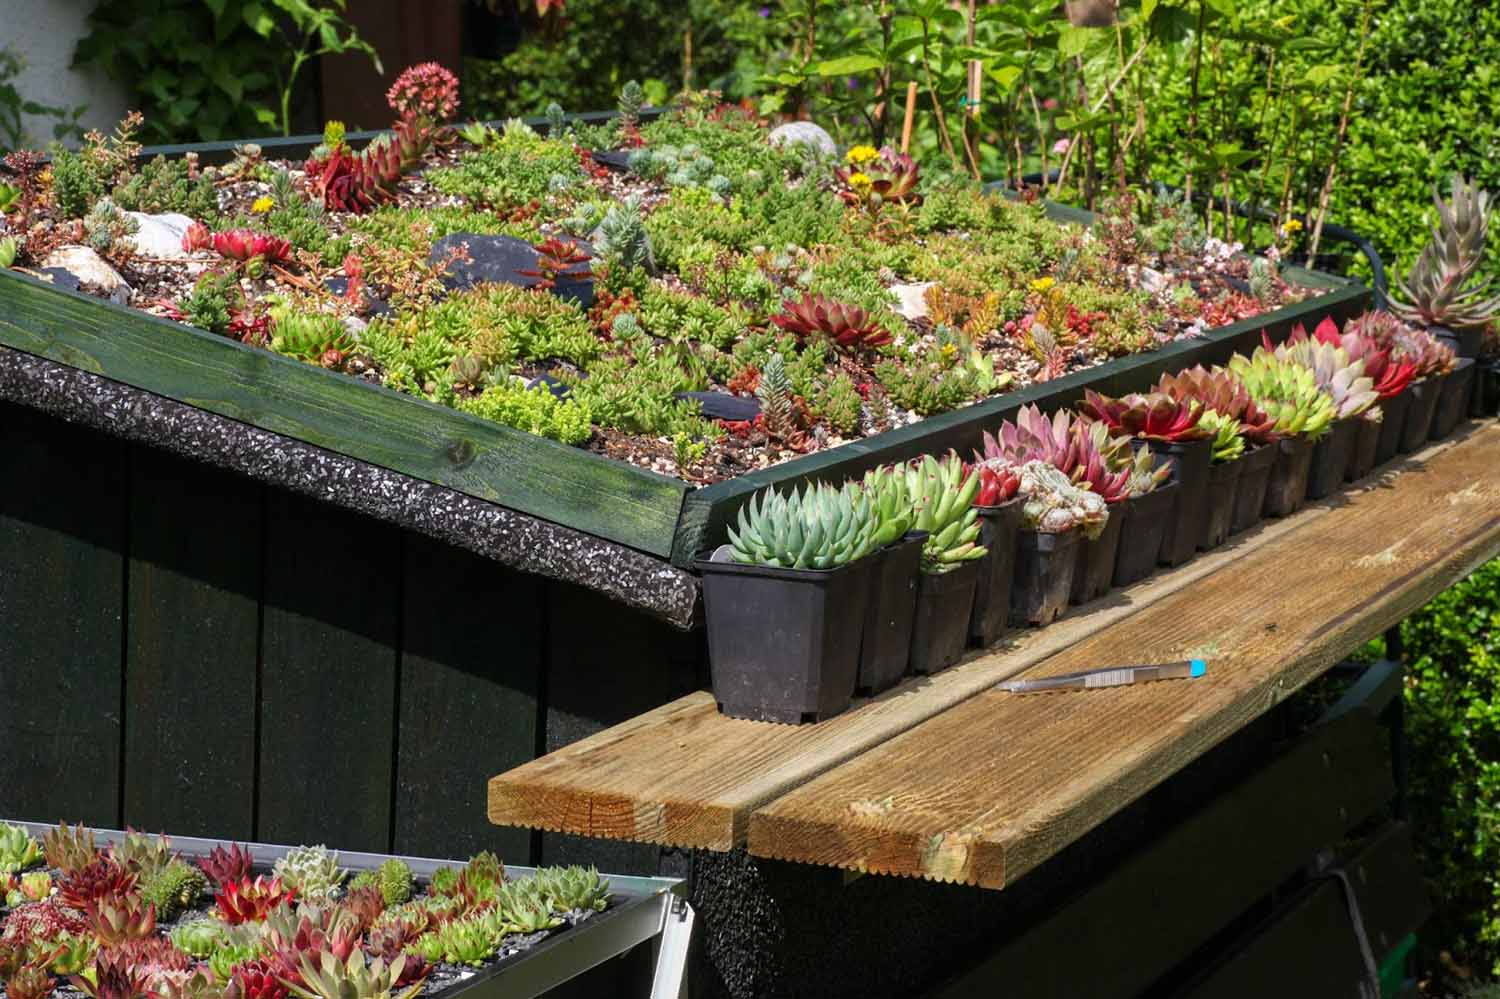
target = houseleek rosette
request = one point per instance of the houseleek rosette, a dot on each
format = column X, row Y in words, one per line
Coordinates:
column 1228, row 444
column 1336, row 374
column 818, row 527
column 942, row 494
column 1287, row 391
column 890, row 503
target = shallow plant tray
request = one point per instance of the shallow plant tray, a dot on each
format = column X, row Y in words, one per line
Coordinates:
column 640, row 909
column 663, row 516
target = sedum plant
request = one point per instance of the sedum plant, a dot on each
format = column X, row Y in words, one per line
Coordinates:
column 18, row 849
column 817, row 527
column 1441, row 288
column 1287, row 391
column 942, row 493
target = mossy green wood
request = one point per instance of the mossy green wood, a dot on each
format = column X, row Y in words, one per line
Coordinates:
column 509, row 467
column 708, row 511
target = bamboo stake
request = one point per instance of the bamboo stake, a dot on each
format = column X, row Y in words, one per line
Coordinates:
column 911, row 110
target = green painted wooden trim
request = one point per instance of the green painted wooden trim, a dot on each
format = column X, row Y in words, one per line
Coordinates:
column 596, row 495
column 707, row 511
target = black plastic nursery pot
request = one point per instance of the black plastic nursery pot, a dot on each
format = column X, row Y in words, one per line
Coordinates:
column 1223, row 490
column 1424, row 399
column 997, row 570
column 1453, row 403
column 1190, row 461
column 1045, row 564
column 944, row 602
column 886, row 646
column 1330, row 458
column 1095, row 571
column 1255, row 477
column 1144, row 523
column 1465, row 343
column 1484, row 397
column 1287, row 486
column 1396, row 410
column 783, row 644
column 1366, row 443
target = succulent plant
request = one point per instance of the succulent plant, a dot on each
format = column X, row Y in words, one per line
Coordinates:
column 1228, row 442
column 29, row 982
column 1052, row 503
column 817, row 527
column 35, row 886
column 1104, row 461
column 311, row 871
column 1370, row 338
column 848, row 326
column 1287, row 391
column 524, row 909
column 113, row 979
column 426, row 90
column 1429, row 355
column 68, row 953
column 101, row 878
column 998, row 483
column 444, row 881
column 569, row 889
column 1151, row 415
column 246, row 245
column 871, row 182
column 10, row 249
column 364, row 904
column 1218, row 389
column 18, row 849
column 1441, row 288
column 310, row 336
column 39, row 922
column 173, row 888
column 1036, row 437
column 69, row 848
column 471, row 940
column 330, row 978
column 247, row 901
column 198, row 937
column 890, row 503
column 196, row 985
column 222, row 866
column 143, row 853
column 1146, row 473
column 114, row 921
column 942, row 493
column 1344, row 380
column 223, row 961
column 152, row 956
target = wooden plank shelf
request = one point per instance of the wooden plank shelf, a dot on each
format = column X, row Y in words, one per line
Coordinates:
column 943, row 778
column 987, row 791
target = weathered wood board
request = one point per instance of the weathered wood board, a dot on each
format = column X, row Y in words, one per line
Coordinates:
column 985, row 792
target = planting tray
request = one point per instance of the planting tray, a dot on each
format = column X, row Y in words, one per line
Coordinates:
column 641, row 909
column 483, row 464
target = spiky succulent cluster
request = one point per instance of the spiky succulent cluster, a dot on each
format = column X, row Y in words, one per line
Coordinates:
column 310, row 336
column 1052, row 503
column 1085, row 451
column 18, row 849
column 1342, row 379
column 346, row 181
column 247, row 901
column 849, row 327
column 942, row 493
column 1287, row 391
column 1229, row 443
column 313, row 872
column 1219, row 390
column 998, row 483
column 394, row 879
column 199, row 937
column 873, row 181
column 816, row 527
column 890, row 503
column 1371, row 338
column 173, row 888
column 352, row 978
column 1150, row 415
column 1443, row 287
column 68, row 848
column 572, row 889
column 226, row 864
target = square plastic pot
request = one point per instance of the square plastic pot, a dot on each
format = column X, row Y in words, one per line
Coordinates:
column 1485, row 395
column 1044, row 576
column 783, row 644
column 997, row 570
column 1366, row 443
column 1453, row 403
column 1330, row 458
column 1396, row 409
column 944, row 602
column 1287, row 487
column 1190, row 462
column 1254, row 478
column 1144, row 523
column 1424, row 400
column 892, row 608
column 1223, row 490
column 1095, row 571
column 1465, row 343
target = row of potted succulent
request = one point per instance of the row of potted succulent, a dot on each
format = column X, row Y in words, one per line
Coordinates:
column 830, row 591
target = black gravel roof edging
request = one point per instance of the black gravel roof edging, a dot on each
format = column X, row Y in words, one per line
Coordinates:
column 529, row 544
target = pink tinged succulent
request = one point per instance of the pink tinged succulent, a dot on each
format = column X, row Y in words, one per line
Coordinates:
column 426, row 90
column 246, row 244
column 1150, row 415
column 197, row 237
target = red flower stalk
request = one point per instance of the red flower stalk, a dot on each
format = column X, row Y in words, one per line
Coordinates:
column 848, row 326
column 245, row 245
column 426, row 90
column 247, row 901
column 102, row 878
column 1153, row 415
column 998, row 483
column 222, row 866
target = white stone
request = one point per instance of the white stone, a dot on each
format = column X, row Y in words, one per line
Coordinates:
column 90, row 269
column 911, row 299
column 160, row 236
column 805, row 133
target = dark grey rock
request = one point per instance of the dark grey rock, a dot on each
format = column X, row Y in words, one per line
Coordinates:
column 62, row 279
column 501, row 259
column 339, row 285
column 560, row 389
column 615, row 159
column 723, row 406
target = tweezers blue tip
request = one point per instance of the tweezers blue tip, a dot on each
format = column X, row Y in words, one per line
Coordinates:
column 1199, row 667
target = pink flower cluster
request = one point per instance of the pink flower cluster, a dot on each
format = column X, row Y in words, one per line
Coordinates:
column 426, row 90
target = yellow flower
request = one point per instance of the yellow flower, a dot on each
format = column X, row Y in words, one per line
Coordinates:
column 860, row 155
column 1042, row 284
column 1291, row 226
column 861, row 183
column 262, row 205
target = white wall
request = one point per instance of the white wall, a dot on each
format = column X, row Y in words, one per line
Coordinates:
column 43, row 33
